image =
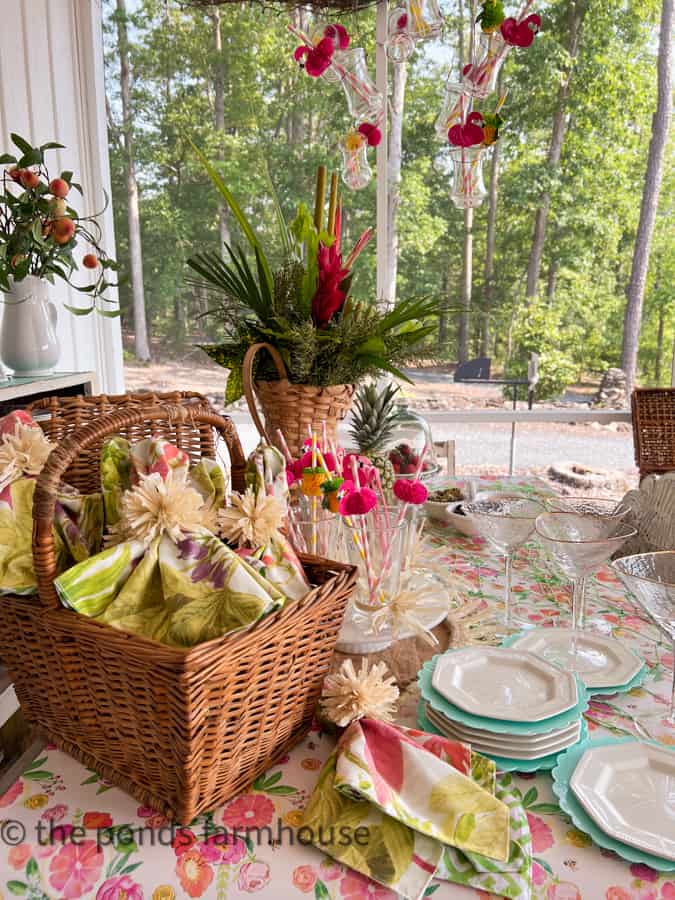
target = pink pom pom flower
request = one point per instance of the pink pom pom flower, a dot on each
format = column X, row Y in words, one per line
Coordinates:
column 410, row 491
column 358, row 503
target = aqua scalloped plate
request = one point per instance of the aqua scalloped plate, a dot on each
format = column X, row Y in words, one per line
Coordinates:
column 440, row 704
column 504, row 764
column 635, row 681
column 562, row 773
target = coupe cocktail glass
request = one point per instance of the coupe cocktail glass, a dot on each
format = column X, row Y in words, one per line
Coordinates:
column 506, row 523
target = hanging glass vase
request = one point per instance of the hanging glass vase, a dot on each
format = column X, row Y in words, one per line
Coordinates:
column 468, row 188
column 480, row 79
column 451, row 111
column 356, row 172
column 399, row 44
column 364, row 101
column 416, row 21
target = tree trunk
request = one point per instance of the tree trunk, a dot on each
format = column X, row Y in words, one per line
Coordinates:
column 650, row 199
column 399, row 78
column 219, row 119
column 464, row 328
column 141, row 342
column 467, row 268
column 577, row 10
column 551, row 280
column 490, row 240
column 659, row 344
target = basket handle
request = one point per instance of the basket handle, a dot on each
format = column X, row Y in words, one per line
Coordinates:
column 249, row 390
column 47, row 486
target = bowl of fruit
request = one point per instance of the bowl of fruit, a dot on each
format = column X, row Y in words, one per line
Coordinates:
column 405, row 461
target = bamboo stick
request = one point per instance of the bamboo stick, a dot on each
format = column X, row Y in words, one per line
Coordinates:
column 332, row 204
column 320, row 197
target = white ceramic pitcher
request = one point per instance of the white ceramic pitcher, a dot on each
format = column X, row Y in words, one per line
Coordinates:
column 28, row 342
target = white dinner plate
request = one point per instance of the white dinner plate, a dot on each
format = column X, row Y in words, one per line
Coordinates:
column 498, row 747
column 505, row 684
column 628, row 789
column 513, row 738
column 601, row 661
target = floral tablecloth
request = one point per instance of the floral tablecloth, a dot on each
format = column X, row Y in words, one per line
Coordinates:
column 65, row 833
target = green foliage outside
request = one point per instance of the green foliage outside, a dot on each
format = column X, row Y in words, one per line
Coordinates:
column 280, row 123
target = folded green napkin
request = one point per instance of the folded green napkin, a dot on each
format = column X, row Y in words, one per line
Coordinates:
column 168, row 577
column 426, row 806
column 78, row 518
column 178, row 592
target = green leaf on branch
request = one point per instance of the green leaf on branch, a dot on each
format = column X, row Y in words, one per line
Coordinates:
column 21, row 143
column 78, row 310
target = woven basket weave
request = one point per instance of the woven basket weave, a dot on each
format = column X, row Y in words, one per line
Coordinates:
column 182, row 730
column 654, row 430
column 295, row 409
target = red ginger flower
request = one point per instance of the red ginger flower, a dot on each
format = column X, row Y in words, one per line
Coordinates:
column 316, row 59
column 328, row 297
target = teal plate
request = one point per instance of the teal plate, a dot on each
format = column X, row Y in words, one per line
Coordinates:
column 635, row 681
column 562, row 773
column 544, row 763
column 440, row 704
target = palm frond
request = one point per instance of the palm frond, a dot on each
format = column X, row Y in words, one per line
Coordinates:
column 238, row 212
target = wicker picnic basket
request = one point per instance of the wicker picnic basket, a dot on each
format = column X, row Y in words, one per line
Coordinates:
column 654, row 430
column 182, row 730
column 294, row 409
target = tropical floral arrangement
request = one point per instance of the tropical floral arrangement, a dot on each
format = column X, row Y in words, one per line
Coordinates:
column 304, row 307
column 40, row 230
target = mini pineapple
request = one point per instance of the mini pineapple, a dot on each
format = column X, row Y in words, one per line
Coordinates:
column 374, row 419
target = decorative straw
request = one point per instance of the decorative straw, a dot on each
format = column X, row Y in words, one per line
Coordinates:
column 284, row 446
column 364, row 533
column 332, row 205
column 386, row 562
column 314, row 499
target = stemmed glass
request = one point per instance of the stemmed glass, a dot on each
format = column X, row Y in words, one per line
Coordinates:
column 506, row 523
column 581, row 544
column 588, row 506
column 650, row 577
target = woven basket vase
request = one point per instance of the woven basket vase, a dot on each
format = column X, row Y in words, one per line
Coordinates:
column 654, row 430
column 182, row 730
column 295, row 409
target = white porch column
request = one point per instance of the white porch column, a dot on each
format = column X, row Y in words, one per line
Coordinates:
column 51, row 88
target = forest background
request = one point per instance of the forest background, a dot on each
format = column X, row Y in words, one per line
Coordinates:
column 544, row 265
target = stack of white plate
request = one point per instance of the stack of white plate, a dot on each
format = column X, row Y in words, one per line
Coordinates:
column 506, row 703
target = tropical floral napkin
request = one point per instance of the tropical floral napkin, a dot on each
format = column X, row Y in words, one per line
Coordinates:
column 427, row 806
column 166, row 575
column 254, row 521
column 78, row 518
